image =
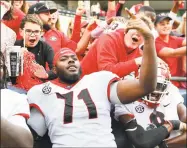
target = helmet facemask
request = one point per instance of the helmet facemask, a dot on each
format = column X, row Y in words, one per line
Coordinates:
column 163, row 79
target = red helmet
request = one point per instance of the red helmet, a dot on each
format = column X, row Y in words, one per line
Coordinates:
column 163, row 79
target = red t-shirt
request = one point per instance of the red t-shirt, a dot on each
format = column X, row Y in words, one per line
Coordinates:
column 57, row 40
column 109, row 53
column 174, row 63
column 14, row 24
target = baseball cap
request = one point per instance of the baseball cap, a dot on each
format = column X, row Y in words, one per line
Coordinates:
column 40, row 7
column 161, row 17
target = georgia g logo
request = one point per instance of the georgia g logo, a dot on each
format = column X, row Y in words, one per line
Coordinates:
column 46, row 89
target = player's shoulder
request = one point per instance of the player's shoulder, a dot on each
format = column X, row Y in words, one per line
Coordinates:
column 102, row 75
column 13, row 96
column 172, row 87
column 45, row 88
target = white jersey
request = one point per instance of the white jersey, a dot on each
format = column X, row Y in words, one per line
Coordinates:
column 14, row 106
column 118, row 23
column 147, row 117
column 79, row 116
column 8, row 37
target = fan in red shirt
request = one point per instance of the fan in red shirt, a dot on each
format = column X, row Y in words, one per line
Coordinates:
column 117, row 52
column 170, row 48
column 14, row 21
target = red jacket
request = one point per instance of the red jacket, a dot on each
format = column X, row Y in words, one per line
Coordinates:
column 109, row 53
column 14, row 24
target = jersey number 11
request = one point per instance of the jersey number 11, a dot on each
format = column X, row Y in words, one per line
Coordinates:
column 68, row 110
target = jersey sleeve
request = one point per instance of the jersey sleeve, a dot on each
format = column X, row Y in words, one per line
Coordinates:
column 34, row 98
column 123, row 110
column 21, row 106
column 112, row 81
column 175, row 94
column 36, row 117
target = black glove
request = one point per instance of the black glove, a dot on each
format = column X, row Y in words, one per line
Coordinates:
column 163, row 145
column 175, row 124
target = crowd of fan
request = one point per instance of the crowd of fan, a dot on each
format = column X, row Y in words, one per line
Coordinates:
column 99, row 45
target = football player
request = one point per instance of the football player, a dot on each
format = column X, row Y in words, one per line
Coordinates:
column 76, row 110
column 14, row 112
column 158, row 118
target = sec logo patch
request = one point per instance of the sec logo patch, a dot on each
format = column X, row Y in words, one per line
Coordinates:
column 46, row 89
column 139, row 109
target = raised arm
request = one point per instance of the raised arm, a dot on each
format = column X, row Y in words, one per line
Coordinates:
column 111, row 12
column 77, row 25
column 85, row 39
column 131, row 90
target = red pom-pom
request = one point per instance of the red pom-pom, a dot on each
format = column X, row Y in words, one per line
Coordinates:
column 28, row 79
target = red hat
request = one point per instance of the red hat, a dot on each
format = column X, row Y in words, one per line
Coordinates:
column 62, row 52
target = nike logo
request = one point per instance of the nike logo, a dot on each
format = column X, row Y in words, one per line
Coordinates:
column 166, row 105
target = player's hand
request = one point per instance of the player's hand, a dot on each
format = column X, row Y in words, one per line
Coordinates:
column 131, row 15
column 138, row 24
column 40, row 72
column 182, row 126
column 175, row 124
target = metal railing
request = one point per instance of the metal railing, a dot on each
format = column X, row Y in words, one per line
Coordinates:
column 180, row 79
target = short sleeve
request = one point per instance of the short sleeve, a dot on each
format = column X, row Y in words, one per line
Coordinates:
column 37, row 122
column 159, row 46
column 21, row 107
column 175, row 94
column 179, row 41
column 113, row 93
